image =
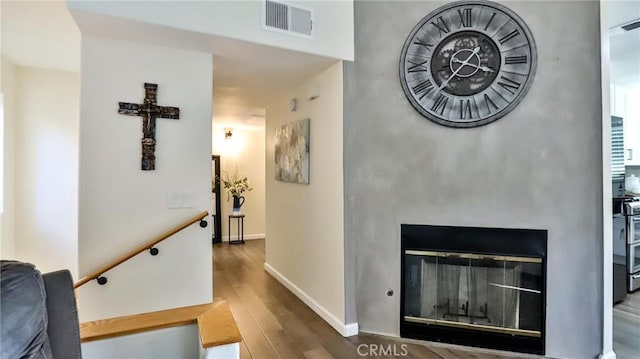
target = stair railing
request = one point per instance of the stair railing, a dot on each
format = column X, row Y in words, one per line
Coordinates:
column 150, row 246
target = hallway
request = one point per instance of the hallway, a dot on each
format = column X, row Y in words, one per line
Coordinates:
column 274, row 323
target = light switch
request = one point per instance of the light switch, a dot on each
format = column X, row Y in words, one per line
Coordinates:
column 180, row 200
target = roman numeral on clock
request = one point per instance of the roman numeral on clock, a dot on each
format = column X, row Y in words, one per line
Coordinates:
column 420, row 42
column 512, row 60
column 465, row 17
column 440, row 104
column 489, row 103
column 509, row 36
column 489, row 22
column 423, row 88
column 417, row 66
column 508, row 84
column 465, row 109
column 441, row 25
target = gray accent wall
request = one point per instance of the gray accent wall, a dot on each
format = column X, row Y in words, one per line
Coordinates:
column 538, row 167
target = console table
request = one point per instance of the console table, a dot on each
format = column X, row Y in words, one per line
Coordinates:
column 240, row 221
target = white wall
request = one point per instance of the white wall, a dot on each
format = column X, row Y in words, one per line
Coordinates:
column 7, row 217
column 305, row 223
column 333, row 23
column 46, row 168
column 167, row 343
column 39, row 223
column 247, row 151
column 121, row 206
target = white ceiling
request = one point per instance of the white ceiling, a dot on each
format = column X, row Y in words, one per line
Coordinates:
column 247, row 77
column 40, row 34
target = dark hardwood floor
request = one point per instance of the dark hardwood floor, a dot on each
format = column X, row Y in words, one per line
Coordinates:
column 274, row 323
column 626, row 327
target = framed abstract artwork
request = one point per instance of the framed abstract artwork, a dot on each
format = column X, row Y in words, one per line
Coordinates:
column 292, row 152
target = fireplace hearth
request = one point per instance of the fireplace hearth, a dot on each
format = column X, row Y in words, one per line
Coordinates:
column 483, row 287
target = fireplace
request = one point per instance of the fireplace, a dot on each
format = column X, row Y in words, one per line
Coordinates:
column 481, row 287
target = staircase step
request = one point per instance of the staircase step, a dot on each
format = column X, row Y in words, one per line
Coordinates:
column 215, row 324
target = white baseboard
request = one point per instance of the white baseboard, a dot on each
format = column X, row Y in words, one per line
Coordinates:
column 225, row 237
column 346, row 330
column 350, row 330
column 390, row 335
column 608, row 355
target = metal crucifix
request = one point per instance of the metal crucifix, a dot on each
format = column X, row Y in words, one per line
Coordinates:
column 149, row 111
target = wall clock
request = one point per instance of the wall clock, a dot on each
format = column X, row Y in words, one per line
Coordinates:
column 468, row 63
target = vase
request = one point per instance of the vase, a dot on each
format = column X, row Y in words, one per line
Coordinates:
column 238, row 201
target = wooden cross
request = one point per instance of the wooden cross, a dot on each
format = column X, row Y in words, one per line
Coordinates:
column 149, row 110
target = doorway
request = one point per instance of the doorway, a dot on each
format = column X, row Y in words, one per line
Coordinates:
column 621, row 88
column 215, row 196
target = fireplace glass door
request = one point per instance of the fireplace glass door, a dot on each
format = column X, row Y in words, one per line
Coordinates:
column 500, row 294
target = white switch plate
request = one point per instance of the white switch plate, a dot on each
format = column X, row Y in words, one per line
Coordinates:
column 180, row 200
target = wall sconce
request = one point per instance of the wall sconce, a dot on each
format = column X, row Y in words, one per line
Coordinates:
column 228, row 133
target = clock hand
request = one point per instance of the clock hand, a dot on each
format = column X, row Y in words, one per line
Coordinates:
column 481, row 67
column 465, row 62
column 486, row 68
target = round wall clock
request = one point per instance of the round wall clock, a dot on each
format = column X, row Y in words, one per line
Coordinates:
column 468, row 63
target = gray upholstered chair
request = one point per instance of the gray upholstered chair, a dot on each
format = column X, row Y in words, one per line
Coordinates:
column 38, row 313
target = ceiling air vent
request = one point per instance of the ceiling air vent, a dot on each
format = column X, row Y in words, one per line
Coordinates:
column 284, row 18
column 626, row 27
column 631, row 26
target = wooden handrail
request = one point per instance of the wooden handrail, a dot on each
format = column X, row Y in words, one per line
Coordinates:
column 98, row 272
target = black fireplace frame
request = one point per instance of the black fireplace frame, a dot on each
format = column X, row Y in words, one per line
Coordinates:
column 479, row 240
